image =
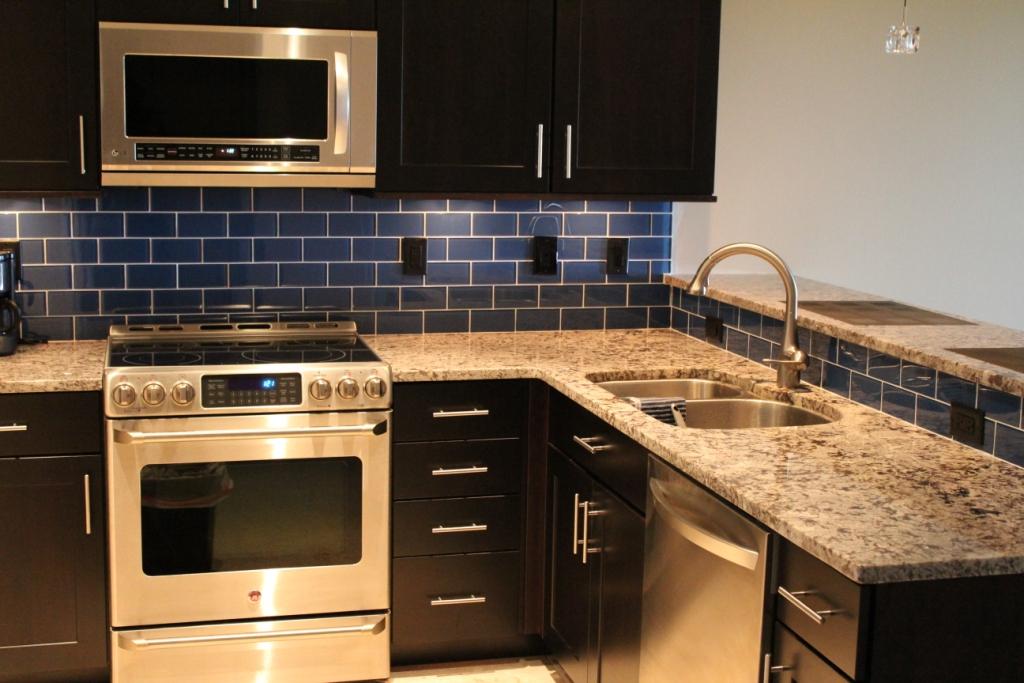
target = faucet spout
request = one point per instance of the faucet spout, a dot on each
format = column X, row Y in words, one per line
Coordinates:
column 793, row 360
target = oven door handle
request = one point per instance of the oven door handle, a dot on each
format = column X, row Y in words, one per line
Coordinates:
column 129, row 643
column 123, row 436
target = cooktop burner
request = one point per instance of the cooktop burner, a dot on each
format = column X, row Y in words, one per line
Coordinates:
column 176, row 353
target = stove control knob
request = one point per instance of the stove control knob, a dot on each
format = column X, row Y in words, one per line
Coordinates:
column 124, row 395
column 375, row 387
column 320, row 389
column 183, row 393
column 348, row 388
column 153, row 394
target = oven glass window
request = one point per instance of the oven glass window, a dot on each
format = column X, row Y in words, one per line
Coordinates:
column 233, row 516
column 224, row 98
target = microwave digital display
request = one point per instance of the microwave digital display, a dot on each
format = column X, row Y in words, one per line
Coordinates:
column 225, row 98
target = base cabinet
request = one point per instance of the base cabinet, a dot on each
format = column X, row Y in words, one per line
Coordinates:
column 594, row 577
column 52, row 584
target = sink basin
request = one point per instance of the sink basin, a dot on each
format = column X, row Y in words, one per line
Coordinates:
column 682, row 389
column 744, row 413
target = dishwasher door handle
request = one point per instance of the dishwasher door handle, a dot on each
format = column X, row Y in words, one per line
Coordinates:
column 716, row 545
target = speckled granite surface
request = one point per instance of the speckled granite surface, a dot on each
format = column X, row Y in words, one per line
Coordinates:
column 923, row 344
column 57, row 366
column 876, row 498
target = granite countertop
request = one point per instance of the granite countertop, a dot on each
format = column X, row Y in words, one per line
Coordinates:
column 924, row 344
column 874, row 497
column 56, row 366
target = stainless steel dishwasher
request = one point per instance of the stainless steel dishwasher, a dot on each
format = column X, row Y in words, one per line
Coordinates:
column 705, row 580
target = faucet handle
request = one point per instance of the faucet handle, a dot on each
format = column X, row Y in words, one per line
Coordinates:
column 785, row 363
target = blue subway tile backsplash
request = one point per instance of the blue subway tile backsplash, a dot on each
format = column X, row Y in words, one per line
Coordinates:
column 904, row 389
column 188, row 254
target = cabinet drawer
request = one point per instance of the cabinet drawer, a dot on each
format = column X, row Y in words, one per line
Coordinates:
column 435, row 411
column 800, row 663
column 50, row 424
column 451, row 469
column 609, row 455
column 824, row 607
column 456, row 598
column 462, row 525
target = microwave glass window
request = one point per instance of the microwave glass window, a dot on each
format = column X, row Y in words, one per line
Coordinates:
column 235, row 516
column 225, row 98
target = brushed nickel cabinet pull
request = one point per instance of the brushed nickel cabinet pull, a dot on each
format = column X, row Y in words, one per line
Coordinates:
column 255, row 4
column 464, row 529
column 586, row 531
column 14, row 428
column 816, row 615
column 471, row 599
column 81, row 142
column 475, row 412
column 88, row 505
column 575, row 523
column 585, row 441
column 456, row 471
column 568, row 152
column 540, row 150
column 227, row 4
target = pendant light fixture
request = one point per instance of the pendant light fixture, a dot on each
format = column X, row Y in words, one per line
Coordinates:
column 903, row 39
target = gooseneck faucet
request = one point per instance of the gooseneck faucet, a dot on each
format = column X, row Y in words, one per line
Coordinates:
column 793, row 360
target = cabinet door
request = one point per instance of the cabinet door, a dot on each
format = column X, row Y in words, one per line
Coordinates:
column 49, row 104
column 636, row 90
column 52, row 586
column 617, row 532
column 171, row 11
column 339, row 14
column 465, row 95
column 567, row 629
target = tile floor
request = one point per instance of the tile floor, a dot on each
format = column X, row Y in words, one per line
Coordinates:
column 499, row 671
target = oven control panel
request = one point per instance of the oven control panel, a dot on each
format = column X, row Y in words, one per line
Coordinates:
column 284, row 388
column 236, row 391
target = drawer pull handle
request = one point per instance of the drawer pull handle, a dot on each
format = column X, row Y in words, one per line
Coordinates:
column 465, row 529
column 87, row 490
column 456, row 471
column 585, row 441
column 14, row 428
column 474, row 412
column 770, row 670
column 816, row 615
column 464, row 600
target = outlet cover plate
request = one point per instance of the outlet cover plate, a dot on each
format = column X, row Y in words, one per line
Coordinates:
column 617, row 258
column 967, row 425
column 714, row 329
column 545, row 255
column 414, row 256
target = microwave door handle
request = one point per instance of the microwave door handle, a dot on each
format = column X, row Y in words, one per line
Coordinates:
column 124, row 436
column 342, row 103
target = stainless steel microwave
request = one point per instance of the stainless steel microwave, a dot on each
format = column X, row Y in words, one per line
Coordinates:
column 237, row 106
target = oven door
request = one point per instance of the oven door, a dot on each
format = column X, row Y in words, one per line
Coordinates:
column 221, row 88
column 249, row 516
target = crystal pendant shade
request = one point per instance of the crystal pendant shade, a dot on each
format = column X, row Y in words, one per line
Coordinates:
column 903, row 39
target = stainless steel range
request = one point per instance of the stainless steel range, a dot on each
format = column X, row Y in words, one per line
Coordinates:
column 248, row 486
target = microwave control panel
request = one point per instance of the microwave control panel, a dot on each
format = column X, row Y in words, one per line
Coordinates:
column 226, row 152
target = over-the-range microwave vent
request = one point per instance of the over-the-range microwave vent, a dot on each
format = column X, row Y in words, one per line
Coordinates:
column 237, row 106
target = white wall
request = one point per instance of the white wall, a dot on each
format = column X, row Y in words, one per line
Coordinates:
column 895, row 175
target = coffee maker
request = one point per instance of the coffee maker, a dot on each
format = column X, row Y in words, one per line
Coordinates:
column 10, row 316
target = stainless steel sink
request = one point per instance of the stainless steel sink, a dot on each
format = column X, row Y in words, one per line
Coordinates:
column 744, row 413
column 682, row 389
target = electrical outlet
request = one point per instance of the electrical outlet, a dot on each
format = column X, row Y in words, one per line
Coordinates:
column 714, row 329
column 414, row 256
column 967, row 425
column 617, row 256
column 545, row 255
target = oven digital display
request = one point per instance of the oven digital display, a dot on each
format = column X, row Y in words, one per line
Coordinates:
column 230, row 391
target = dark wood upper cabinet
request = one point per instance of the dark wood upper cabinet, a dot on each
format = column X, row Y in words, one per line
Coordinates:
column 636, row 89
column 336, row 14
column 465, row 89
column 53, row 624
column 48, row 112
column 572, row 97
column 170, row 11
